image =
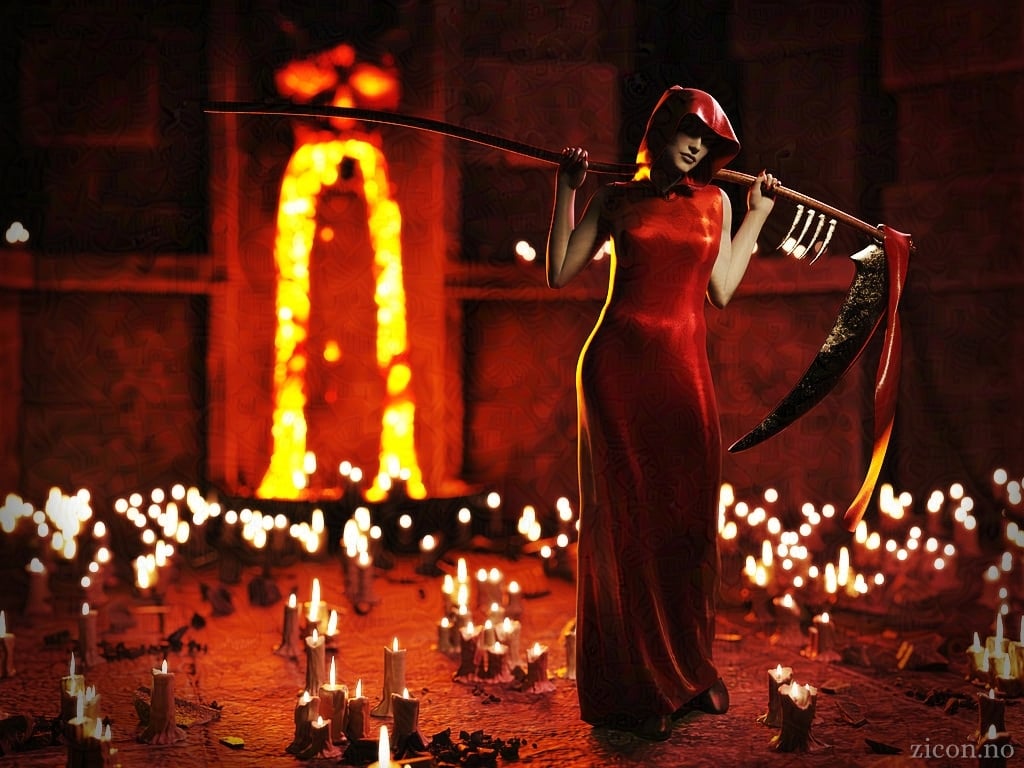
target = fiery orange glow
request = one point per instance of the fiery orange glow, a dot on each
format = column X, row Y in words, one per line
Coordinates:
column 315, row 166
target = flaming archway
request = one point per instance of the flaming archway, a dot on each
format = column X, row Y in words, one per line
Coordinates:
column 314, row 167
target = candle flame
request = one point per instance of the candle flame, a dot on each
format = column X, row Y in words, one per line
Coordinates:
column 319, row 721
column 359, row 688
column 71, row 673
column 778, row 670
column 394, row 645
column 1006, row 666
column 384, row 749
column 992, row 732
column 314, row 601
column 163, row 667
column 3, row 623
column 991, row 693
column 292, row 601
column 106, row 732
column 824, row 617
column 405, row 693
column 305, row 698
column 461, row 570
column 332, row 623
column 333, row 679
column 445, row 623
column 98, row 731
column 316, row 636
column 85, row 609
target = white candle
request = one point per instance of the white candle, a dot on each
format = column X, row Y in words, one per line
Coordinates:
column 87, row 636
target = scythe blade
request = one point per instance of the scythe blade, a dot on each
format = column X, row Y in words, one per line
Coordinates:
column 859, row 316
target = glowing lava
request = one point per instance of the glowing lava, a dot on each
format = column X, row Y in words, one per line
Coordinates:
column 313, row 168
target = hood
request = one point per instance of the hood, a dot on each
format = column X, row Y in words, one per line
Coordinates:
column 675, row 104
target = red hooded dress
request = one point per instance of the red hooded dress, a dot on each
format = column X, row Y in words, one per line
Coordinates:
column 650, row 447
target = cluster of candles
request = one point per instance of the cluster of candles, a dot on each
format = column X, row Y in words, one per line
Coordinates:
column 88, row 737
column 780, row 561
column 63, row 523
column 325, row 715
column 791, row 709
column 489, row 652
column 999, row 662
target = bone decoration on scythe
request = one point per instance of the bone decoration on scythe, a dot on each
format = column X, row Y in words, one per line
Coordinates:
column 875, row 292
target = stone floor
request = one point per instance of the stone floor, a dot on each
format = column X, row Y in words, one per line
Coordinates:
column 231, row 685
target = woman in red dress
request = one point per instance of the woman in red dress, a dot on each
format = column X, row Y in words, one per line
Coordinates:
column 649, row 442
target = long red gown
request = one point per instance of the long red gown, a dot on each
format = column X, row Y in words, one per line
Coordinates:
column 650, row 462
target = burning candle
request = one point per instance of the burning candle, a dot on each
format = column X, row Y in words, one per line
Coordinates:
column 994, row 748
column 313, row 612
column 92, row 702
column 991, row 712
column 977, row 659
column 1006, row 682
column 776, row 679
column 162, row 728
column 444, row 636
column 489, row 635
column 570, row 653
column 365, row 596
column 394, row 678
column 499, row 669
column 509, row 633
column 6, row 649
column 87, row 636
column 72, row 686
column 537, row 669
column 334, row 706
column 289, row 645
column 320, row 743
column 448, row 593
column 996, row 644
column 89, row 745
column 469, row 637
column 514, row 607
column 356, row 722
column 428, row 556
column 821, row 636
column 304, row 716
column 407, row 716
column 314, row 661
column 38, row 602
column 76, row 725
column 799, row 703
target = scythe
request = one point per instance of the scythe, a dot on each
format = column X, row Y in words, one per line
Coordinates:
column 880, row 274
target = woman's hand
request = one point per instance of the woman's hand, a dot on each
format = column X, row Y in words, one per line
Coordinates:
column 761, row 196
column 572, row 170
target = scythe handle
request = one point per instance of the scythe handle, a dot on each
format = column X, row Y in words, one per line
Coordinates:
column 504, row 144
